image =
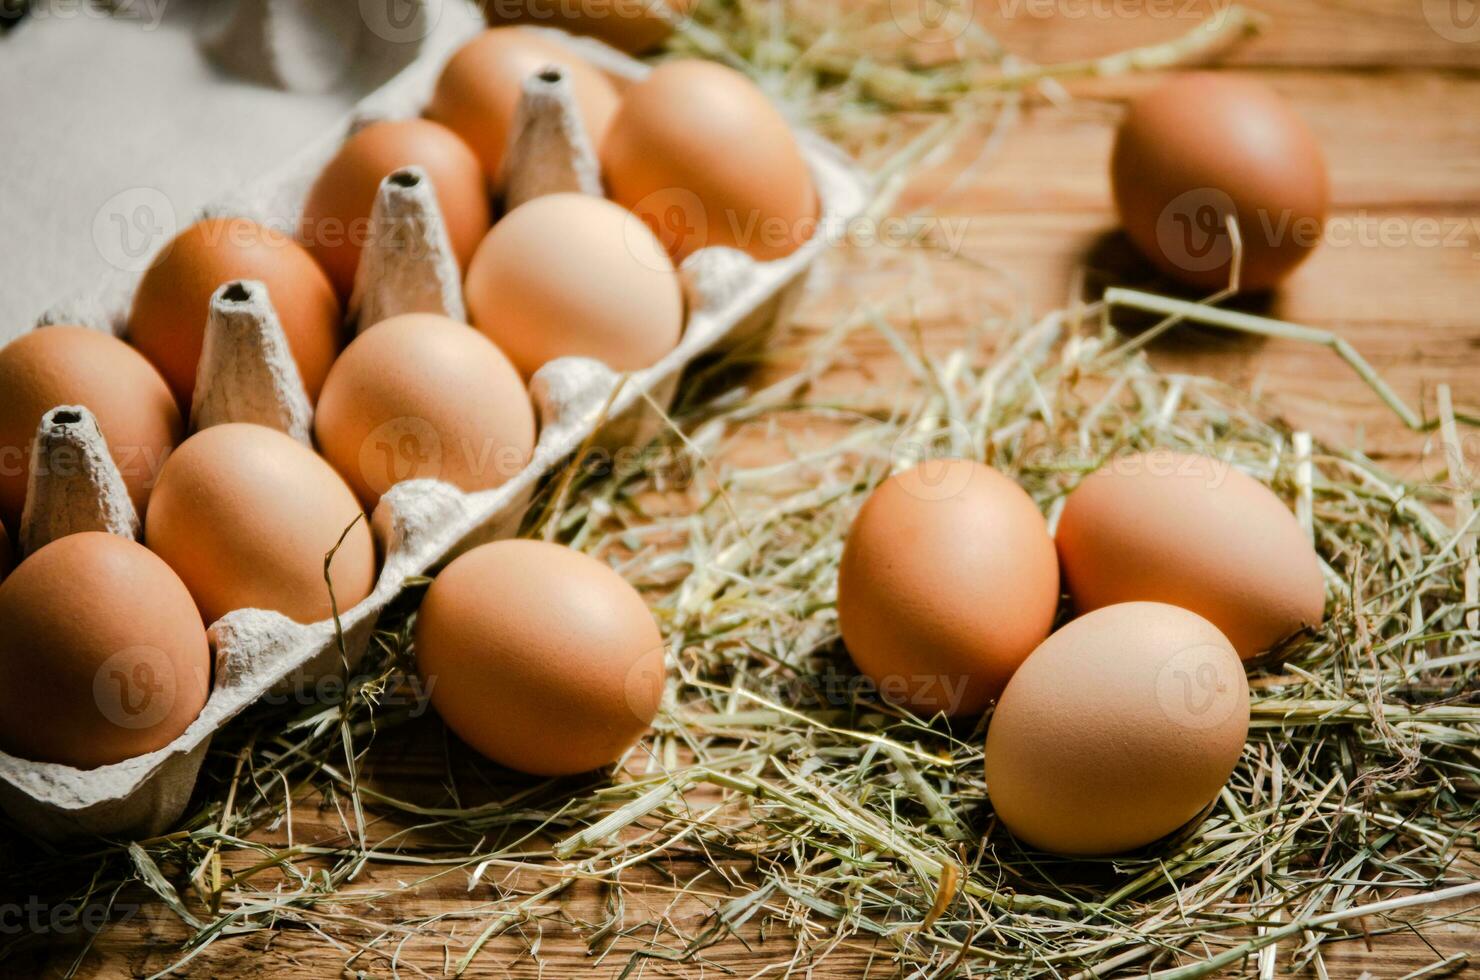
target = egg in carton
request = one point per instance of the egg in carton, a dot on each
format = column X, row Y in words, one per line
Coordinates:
column 246, row 374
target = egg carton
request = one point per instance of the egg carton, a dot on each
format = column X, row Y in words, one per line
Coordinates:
column 246, row 374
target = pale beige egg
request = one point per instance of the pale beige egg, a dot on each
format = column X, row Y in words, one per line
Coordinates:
column 1120, row 728
column 573, row 275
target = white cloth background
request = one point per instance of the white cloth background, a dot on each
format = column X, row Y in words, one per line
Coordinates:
column 99, row 105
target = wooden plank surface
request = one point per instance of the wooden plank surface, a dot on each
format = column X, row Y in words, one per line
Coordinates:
column 1392, row 89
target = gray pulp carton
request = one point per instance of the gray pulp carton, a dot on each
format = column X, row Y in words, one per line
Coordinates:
column 421, row 523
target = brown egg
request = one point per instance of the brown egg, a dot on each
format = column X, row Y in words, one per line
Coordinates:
column 168, row 319
column 245, row 515
column 419, row 396
column 608, row 291
column 541, row 658
column 699, row 153
column 102, row 653
column 633, row 26
column 7, row 557
column 948, row 580
column 478, row 91
column 336, row 216
column 1202, row 148
column 1197, row 533
column 67, row 365
column 1120, row 728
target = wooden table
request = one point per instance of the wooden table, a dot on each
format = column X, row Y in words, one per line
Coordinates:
column 1391, row 88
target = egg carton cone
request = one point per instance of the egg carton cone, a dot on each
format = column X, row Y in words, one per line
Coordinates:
column 407, row 265
column 74, row 485
column 246, row 371
column 419, row 524
column 550, row 151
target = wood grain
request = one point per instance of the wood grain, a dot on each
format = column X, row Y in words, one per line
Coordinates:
column 1394, row 102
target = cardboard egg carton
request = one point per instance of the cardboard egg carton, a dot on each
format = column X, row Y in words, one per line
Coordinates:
column 246, row 374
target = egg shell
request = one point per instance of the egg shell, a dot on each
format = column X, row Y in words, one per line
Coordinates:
column 1120, row 728
column 1203, row 147
column 1195, row 532
column 102, row 653
column 479, row 89
column 336, row 215
column 633, row 26
column 570, row 274
column 419, row 396
column 948, row 581
column 700, row 154
column 539, row 657
column 167, row 322
column 70, row 365
column 245, row 515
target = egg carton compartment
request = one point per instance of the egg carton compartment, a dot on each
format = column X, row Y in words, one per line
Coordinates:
column 247, row 375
